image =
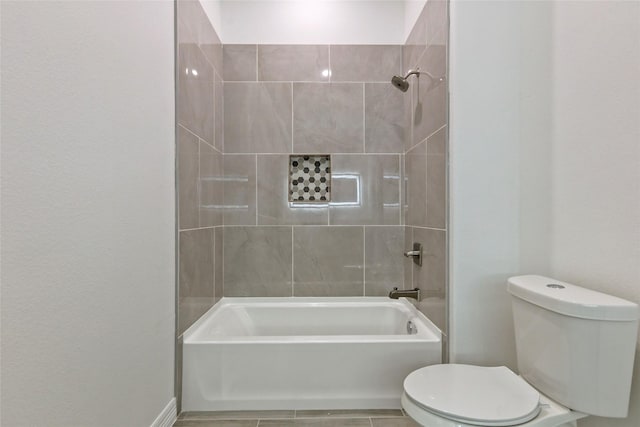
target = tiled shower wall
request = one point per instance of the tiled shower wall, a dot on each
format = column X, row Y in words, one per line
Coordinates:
column 199, row 163
column 239, row 235
column 337, row 100
column 425, row 160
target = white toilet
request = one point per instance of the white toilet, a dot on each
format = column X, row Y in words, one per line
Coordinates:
column 575, row 351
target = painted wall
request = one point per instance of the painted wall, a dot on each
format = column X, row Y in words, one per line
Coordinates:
column 545, row 161
column 499, row 145
column 595, row 239
column 87, row 212
column 313, row 21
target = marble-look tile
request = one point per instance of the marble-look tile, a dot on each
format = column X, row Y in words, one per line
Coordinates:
column 239, row 189
column 431, row 276
column 211, row 186
column 218, row 242
column 195, row 92
column 236, row 415
column 349, row 413
column 416, row 185
column 394, row 422
column 436, row 20
column 240, row 63
column 328, row 118
column 212, row 49
column 195, row 276
column 328, row 261
column 430, row 94
column 216, row 423
column 187, row 179
column 273, row 196
column 384, row 260
column 257, row 261
column 218, row 111
column 302, row 63
column 365, row 190
column 257, row 117
column 437, row 180
column 365, row 63
column 430, row 28
column 194, row 27
column 384, row 118
column 408, row 262
column 318, row 422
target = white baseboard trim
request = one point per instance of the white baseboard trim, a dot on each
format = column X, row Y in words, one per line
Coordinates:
column 168, row 415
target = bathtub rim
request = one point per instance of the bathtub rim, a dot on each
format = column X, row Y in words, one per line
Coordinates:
column 433, row 333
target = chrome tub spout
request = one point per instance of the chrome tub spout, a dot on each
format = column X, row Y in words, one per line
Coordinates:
column 406, row 293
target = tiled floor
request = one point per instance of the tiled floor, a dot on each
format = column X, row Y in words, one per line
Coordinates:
column 337, row 418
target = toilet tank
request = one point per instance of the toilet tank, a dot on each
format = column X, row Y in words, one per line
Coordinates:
column 575, row 345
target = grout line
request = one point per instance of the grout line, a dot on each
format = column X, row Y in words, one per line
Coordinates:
column 292, row 117
column 198, row 185
column 426, row 138
column 324, row 82
column 256, row 177
column 257, row 64
column 364, row 260
column 197, row 136
column 364, row 120
column 329, row 60
column 410, row 261
column 286, row 153
column 213, row 255
column 400, row 195
column 199, row 228
column 293, row 254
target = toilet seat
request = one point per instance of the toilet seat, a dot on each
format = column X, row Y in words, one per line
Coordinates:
column 483, row 396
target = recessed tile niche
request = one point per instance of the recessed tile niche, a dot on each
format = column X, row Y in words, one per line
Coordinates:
column 309, row 178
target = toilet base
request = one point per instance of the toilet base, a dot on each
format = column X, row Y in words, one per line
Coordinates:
column 551, row 414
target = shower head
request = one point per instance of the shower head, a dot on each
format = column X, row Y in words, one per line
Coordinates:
column 401, row 82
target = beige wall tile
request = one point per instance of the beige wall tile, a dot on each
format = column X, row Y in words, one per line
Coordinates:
column 384, row 118
column 240, row 62
column 239, row 189
column 328, row 261
column 328, row 118
column 196, row 277
column 188, row 146
column 307, row 63
column 365, row 63
column 365, row 190
column 384, row 259
column 257, row 261
column 273, row 196
column 257, row 117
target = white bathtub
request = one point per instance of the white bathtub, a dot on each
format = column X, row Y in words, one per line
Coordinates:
column 304, row 353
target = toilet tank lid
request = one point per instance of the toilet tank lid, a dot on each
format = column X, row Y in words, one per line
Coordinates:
column 571, row 300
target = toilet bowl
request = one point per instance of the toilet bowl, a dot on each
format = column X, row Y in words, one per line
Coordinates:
column 470, row 396
column 575, row 350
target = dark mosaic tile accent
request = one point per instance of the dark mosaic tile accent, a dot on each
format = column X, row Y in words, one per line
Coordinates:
column 309, row 178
